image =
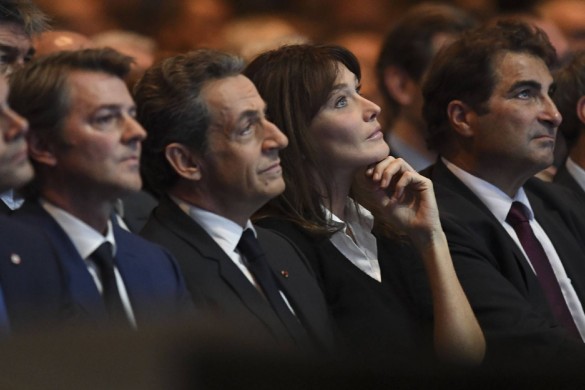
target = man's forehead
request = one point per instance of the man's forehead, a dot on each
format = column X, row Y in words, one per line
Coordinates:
column 97, row 88
column 515, row 66
column 232, row 95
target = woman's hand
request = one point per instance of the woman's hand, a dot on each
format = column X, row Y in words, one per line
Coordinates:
column 406, row 196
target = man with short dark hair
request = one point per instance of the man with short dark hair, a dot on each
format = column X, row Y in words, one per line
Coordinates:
column 85, row 146
column 518, row 244
column 212, row 155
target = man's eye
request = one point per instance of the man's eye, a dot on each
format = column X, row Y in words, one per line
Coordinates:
column 105, row 120
column 524, row 94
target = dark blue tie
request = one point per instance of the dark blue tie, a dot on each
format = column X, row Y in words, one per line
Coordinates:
column 257, row 264
column 104, row 260
column 518, row 219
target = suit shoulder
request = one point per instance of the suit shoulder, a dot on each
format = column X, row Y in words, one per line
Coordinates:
column 136, row 242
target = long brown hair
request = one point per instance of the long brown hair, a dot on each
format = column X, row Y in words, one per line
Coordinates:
column 296, row 81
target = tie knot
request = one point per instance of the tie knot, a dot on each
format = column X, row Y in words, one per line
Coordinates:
column 517, row 214
column 249, row 246
column 103, row 255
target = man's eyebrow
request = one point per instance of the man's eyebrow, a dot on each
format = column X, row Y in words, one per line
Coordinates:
column 525, row 83
column 249, row 114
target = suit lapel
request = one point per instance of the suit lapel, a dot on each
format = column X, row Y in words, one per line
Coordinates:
column 454, row 191
column 79, row 281
column 564, row 242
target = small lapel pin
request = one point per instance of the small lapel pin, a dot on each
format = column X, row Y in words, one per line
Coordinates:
column 284, row 273
column 15, row 259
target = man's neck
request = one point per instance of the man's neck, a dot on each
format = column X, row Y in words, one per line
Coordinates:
column 94, row 212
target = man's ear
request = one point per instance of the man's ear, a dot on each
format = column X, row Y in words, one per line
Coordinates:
column 184, row 161
column 461, row 117
column 581, row 109
column 399, row 85
column 41, row 151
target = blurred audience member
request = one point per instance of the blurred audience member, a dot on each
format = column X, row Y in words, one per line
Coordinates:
column 570, row 100
column 405, row 56
column 569, row 16
column 252, row 35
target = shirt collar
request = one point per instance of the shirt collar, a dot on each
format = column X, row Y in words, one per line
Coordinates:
column 225, row 232
column 497, row 201
column 85, row 238
column 353, row 215
column 576, row 171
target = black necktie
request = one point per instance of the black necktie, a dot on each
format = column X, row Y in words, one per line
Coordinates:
column 104, row 260
column 250, row 248
column 544, row 273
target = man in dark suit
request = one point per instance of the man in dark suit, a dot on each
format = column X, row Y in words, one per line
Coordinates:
column 85, row 145
column 570, row 100
column 32, row 288
column 213, row 157
column 491, row 117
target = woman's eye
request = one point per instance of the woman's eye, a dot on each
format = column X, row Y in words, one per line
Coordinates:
column 341, row 102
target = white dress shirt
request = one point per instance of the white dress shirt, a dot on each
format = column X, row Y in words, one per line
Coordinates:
column 86, row 240
column 499, row 204
column 362, row 249
column 576, row 171
column 11, row 200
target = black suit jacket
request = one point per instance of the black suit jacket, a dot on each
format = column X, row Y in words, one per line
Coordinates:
column 137, row 208
column 498, row 281
column 377, row 321
column 217, row 284
column 31, row 279
column 565, row 179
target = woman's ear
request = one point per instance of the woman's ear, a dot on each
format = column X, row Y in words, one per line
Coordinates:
column 41, row 151
column 461, row 117
column 184, row 161
column 399, row 85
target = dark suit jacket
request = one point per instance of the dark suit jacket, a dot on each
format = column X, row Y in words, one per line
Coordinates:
column 217, row 284
column 4, row 209
column 377, row 321
column 32, row 282
column 498, row 281
column 152, row 279
column 137, row 208
column 565, row 179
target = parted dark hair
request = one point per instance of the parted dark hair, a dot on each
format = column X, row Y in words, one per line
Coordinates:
column 409, row 43
column 465, row 70
column 25, row 14
column 40, row 92
column 171, row 108
column 296, row 82
column 570, row 87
